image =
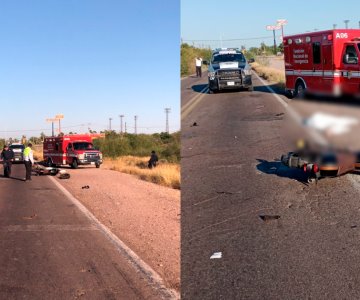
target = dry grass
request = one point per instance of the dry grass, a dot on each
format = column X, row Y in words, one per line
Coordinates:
column 270, row 74
column 165, row 174
column 38, row 152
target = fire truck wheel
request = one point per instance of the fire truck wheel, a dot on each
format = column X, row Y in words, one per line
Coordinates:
column 74, row 164
column 49, row 162
column 299, row 90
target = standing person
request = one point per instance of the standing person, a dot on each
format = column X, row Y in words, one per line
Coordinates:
column 28, row 160
column 153, row 160
column 7, row 156
column 198, row 63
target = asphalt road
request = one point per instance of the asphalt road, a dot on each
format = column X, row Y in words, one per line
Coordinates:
column 49, row 249
column 280, row 238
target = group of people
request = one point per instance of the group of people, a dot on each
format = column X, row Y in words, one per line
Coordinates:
column 7, row 156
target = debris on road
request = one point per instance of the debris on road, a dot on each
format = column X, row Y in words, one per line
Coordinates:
column 266, row 218
column 64, row 174
column 216, row 255
column 194, row 124
column 42, row 170
column 85, row 187
column 30, row 217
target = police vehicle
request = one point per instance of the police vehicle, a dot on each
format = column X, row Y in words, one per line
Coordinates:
column 18, row 150
column 228, row 69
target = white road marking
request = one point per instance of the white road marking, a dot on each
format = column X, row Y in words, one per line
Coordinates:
column 153, row 279
column 16, row 228
column 188, row 107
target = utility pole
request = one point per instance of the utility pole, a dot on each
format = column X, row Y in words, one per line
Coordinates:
column 346, row 23
column 135, row 118
column 110, row 123
column 334, row 26
column 167, row 111
column 121, row 123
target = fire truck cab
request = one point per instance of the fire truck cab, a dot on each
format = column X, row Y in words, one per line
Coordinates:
column 73, row 150
column 323, row 62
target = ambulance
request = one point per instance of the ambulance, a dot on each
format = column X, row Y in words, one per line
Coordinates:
column 73, row 150
column 323, row 62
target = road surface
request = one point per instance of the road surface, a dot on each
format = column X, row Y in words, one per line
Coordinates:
column 279, row 237
column 50, row 249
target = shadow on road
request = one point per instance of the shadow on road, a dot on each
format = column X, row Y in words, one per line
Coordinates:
column 199, row 88
column 278, row 169
column 14, row 178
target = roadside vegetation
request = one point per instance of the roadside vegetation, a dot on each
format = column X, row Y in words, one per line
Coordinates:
column 261, row 65
column 165, row 174
column 188, row 55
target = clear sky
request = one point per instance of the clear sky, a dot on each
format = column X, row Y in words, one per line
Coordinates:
column 234, row 19
column 89, row 60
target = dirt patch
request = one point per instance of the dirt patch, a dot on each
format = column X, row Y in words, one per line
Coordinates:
column 145, row 216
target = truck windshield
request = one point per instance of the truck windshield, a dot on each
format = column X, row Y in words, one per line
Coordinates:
column 83, row 146
column 17, row 147
column 218, row 58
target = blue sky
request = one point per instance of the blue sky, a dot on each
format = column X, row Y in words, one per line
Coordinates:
column 89, row 60
column 234, row 19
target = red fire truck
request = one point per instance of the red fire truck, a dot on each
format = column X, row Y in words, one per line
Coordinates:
column 323, row 62
column 73, row 150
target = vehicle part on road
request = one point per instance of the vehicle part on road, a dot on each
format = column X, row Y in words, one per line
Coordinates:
column 322, row 163
column 85, row 187
column 228, row 69
column 266, row 218
column 64, row 175
column 40, row 169
column 194, row 124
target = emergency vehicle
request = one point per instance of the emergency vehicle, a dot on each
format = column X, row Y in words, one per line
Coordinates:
column 228, row 69
column 323, row 62
column 73, row 150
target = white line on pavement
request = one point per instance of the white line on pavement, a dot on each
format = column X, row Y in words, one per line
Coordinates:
column 153, row 279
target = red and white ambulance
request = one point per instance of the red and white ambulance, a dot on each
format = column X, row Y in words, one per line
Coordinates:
column 323, row 62
column 73, row 150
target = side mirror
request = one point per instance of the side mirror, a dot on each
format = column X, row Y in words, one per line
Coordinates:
column 205, row 62
column 251, row 60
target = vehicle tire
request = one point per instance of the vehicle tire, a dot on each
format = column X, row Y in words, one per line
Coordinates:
column 97, row 165
column 74, row 164
column 49, row 162
column 211, row 91
column 300, row 90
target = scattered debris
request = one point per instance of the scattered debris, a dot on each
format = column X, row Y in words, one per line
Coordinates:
column 266, row 218
column 353, row 226
column 194, row 124
column 64, row 175
column 216, row 255
column 279, row 114
column 30, row 217
column 42, row 170
column 85, row 187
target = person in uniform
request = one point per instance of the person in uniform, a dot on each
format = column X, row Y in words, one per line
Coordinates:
column 28, row 161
